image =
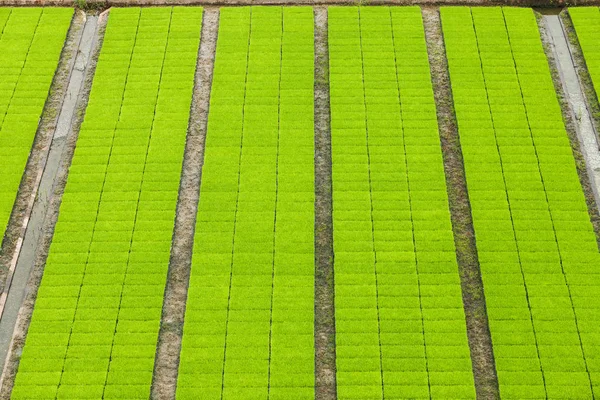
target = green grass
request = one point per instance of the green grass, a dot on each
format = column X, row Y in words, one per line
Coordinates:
column 102, row 291
column 396, row 277
column 534, row 236
column 249, row 324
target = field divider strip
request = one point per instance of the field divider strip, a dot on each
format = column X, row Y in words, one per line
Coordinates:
column 166, row 363
column 5, row 23
column 276, row 199
column 478, row 330
column 325, row 356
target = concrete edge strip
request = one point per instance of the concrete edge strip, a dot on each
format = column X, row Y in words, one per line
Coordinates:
column 325, row 356
column 71, row 116
column 38, row 179
column 572, row 87
column 478, row 331
column 166, row 363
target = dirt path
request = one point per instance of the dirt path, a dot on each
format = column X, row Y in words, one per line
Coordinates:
column 480, row 341
column 166, row 366
column 324, row 291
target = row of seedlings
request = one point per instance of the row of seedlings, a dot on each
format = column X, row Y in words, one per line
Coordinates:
column 536, row 245
column 587, row 25
column 400, row 322
column 249, row 324
column 31, row 40
column 95, row 324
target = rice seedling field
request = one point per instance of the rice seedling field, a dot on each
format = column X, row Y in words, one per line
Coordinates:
column 31, row 40
column 402, row 325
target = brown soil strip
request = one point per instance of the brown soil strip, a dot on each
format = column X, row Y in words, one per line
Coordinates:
column 103, row 4
column 480, row 341
column 164, row 381
column 34, row 168
column 18, row 341
column 570, row 124
column 585, row 79
column 324, row 289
